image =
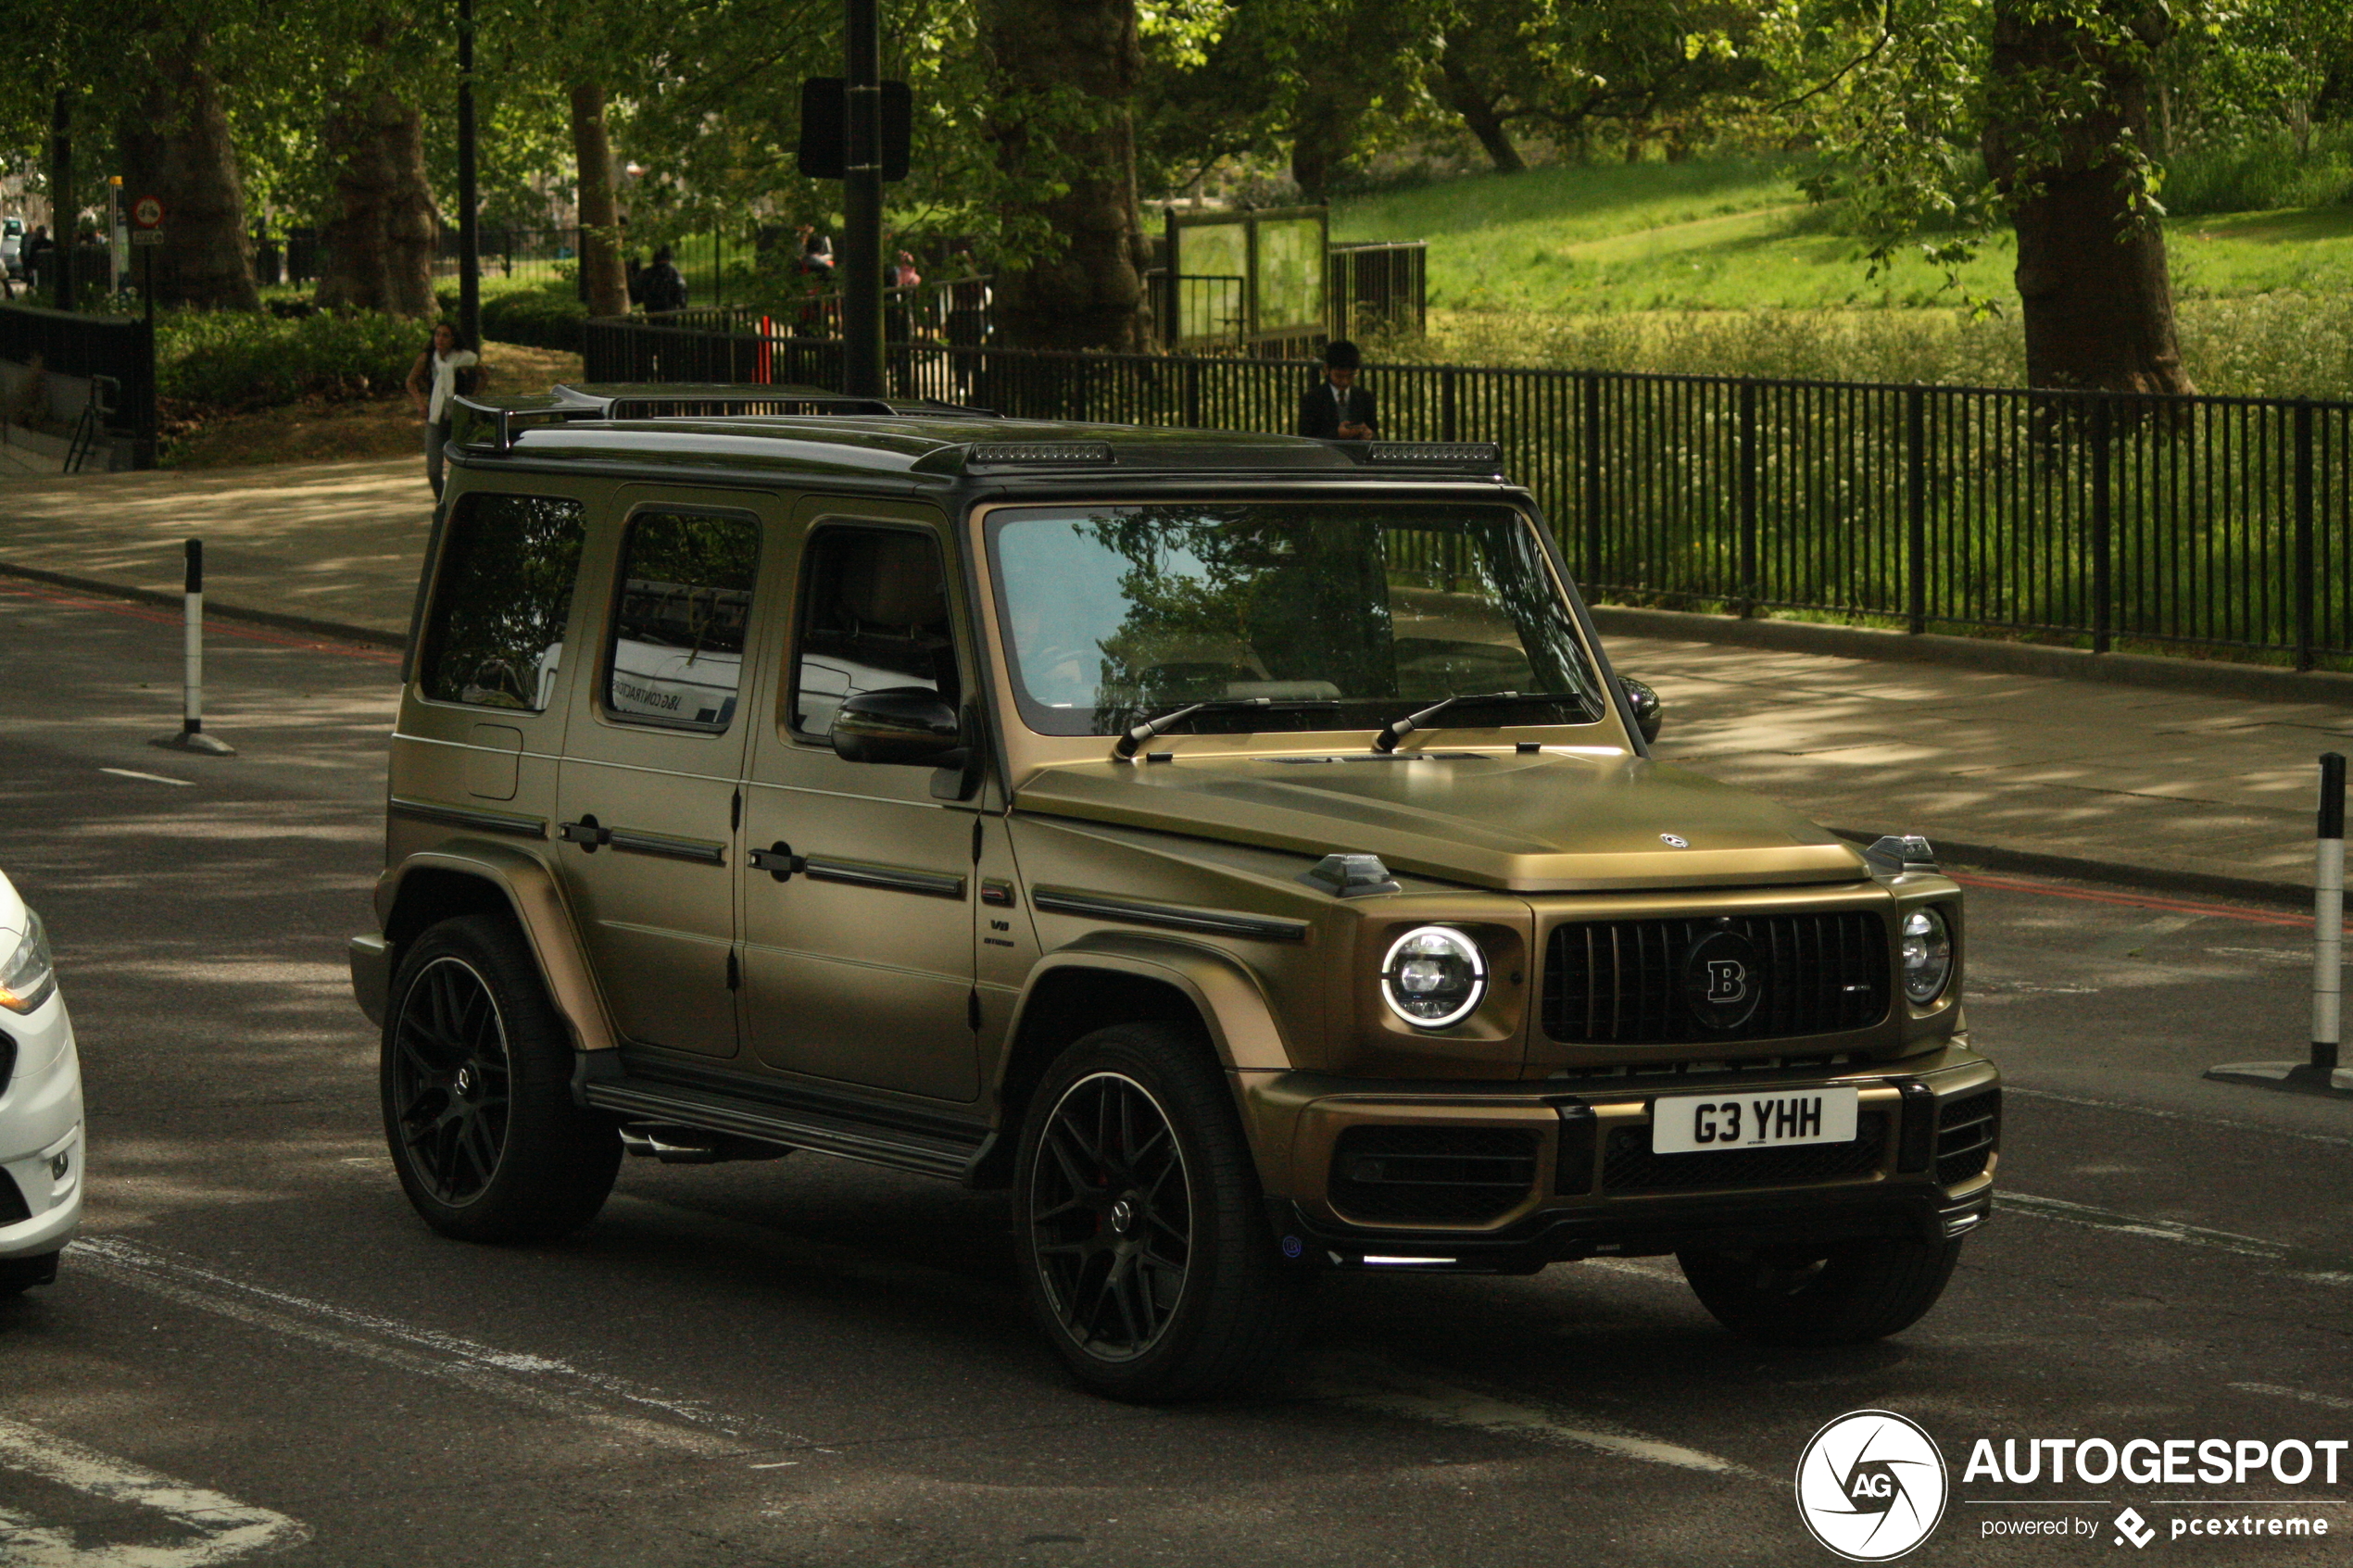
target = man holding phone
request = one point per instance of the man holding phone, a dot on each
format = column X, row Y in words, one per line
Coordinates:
column 1335, row 408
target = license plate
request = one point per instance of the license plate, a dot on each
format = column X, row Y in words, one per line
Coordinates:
column 1698, row 1123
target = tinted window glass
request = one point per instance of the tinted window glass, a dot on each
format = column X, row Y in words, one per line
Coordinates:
column 505, row 592
column 874, row 618
column 677, row 653
column 1318, row 615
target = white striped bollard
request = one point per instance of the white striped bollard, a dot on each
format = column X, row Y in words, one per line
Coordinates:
column 192, row 736
column 2328, row 918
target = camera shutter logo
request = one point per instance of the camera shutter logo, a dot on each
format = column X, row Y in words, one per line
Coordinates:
column 1871, row 1485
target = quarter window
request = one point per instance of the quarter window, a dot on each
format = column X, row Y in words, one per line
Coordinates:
column 496, row 634
column 874, row 618
column 677, row 657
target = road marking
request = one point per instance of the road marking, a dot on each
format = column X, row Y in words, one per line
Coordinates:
column 215, row 627
column 2130, row 900
column 2332, row 1140
column 541, row 1382
column 1392, row 1392
column 2306, row 1395
column 151, row 778
column 224, row 1528
column 2304, row 1265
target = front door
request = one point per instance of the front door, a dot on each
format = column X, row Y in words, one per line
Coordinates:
column 858, row 911
column 647, row 801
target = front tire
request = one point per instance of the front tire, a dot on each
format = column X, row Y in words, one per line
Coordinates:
column 476, row 1083
column 1143, row 1240
column 1849, row 1294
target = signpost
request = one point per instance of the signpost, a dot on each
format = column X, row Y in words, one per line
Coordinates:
column 147, row 232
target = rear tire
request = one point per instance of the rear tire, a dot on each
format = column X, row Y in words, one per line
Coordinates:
column 1142, row 1235
column 1848, row 1294
column 476, row 1083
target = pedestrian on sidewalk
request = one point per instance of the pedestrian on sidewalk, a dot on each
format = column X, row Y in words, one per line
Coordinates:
column 663, row 286
column 444, row 370
column 1335, row 408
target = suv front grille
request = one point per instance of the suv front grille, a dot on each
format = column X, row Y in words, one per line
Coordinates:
column 1630, row 1166
column 1464, row 1174
column 1967, row 1131
column 1623, row 983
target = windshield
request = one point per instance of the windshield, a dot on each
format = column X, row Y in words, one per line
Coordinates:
column 1345, row 615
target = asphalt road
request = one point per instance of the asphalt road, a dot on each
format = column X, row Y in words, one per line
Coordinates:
column 257, row 1353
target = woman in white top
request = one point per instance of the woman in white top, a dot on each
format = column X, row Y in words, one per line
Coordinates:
column 441, row 363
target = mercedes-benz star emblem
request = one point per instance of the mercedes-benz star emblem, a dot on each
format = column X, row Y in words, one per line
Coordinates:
column 1674, row 841
column 1123, row 1216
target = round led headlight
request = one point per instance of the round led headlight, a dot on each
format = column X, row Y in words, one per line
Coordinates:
column 1433, row 977
column 1927, row 955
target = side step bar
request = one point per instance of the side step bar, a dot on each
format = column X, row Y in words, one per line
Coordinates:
column 925, row 1154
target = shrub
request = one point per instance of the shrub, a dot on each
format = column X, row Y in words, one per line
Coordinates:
column 551, row 318
column 2258, row 174
column 229, row 361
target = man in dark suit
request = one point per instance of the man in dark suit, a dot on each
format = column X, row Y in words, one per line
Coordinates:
column 1335, row 408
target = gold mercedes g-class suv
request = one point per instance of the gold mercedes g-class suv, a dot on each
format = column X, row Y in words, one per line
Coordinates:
column 1237, row 846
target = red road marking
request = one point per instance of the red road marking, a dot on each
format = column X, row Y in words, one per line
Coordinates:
column 2135, row 900
column 135, row 611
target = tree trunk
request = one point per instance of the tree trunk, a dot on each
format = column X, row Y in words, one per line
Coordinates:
column 1066, row 140
column 606, row 289
column 377, row 248
column 2094, row 291
column 1323, row 128
column 175, row 146
column 1477, row 108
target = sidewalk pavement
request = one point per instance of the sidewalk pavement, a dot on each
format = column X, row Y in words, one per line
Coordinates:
column 2194, row 792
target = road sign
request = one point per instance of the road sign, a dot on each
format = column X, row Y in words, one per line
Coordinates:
column 147, row 212
column 146, row 236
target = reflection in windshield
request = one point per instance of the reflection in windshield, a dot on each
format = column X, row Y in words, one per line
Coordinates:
column 1113, row 614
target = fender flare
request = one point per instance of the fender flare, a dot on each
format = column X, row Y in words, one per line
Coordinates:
column 536, row 900
column 1227, row 995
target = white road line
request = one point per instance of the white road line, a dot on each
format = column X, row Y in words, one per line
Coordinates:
column 541, row 1382
column 151, row 778
column 2332, row 1140
column 1388, row 1391
column 2306, row 1395
column 223, row 1528
column 2175, row 1231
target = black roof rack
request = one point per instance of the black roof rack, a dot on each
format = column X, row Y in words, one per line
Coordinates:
column 723, row 402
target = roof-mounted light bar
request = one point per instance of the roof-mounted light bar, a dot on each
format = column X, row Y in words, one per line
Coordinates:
column 1039, row 454
column 1449, row 454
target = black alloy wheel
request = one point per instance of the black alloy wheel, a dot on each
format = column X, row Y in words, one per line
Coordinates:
column 476, row 1085
column 1111, row 1216
column 1143, row 1236
column 450, row 1080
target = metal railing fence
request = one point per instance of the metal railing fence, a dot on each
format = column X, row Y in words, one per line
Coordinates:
column 116, row 349
column 2189, row 523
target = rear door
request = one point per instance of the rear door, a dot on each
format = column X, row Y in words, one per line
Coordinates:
column 647, row 801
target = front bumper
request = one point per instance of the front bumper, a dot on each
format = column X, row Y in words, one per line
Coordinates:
column 41, row 1136
column 1573, row 1175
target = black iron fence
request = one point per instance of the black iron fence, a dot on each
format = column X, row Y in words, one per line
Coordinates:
column 115, row 355
column 2183, row 524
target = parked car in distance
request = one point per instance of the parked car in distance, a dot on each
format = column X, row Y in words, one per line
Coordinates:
column 41, row 1124
column 12, row 246
column 1237, row 847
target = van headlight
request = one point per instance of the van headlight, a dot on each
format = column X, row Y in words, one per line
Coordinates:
column 1927, row 955
column 1433, row 977
column 27, row 977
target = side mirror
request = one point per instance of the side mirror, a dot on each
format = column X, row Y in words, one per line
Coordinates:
column 1649, row 712
column 903, row 724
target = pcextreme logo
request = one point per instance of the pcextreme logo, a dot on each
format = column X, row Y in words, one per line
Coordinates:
column 1871, row 1485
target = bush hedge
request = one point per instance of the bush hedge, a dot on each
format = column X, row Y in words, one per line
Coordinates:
column 229, row 360
column 551, row 318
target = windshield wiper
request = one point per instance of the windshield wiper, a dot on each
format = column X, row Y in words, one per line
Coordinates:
column 1397, row 729
column 1129, row 743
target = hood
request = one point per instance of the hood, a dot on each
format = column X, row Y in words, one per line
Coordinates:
column 1546, row 823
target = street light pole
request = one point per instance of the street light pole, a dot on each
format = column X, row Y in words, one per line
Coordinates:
column 469, row 232
column 862, row 292
column 62, row 211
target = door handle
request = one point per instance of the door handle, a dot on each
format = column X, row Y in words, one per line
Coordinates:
column 778, row 860
column 584, row 833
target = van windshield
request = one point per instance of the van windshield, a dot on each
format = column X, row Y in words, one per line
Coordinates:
column 1343, row 615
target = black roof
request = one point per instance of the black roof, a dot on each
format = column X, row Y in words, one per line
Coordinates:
column 770, row 431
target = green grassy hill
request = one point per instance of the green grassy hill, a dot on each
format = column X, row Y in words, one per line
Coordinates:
column 1723, row 266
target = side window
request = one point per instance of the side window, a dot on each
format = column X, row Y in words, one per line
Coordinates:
column 676, row 656
column 874, row 617
column 500, row 604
